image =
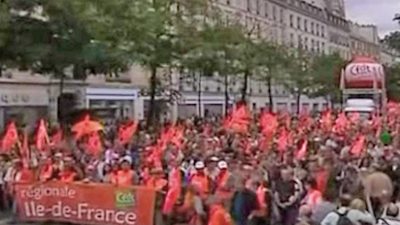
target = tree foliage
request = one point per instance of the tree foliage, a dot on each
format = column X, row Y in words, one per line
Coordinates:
column 326, row 71
column 393, row 40
column 393, row 82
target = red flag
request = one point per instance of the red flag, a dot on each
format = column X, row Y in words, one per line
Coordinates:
column 358, row 146
column 302, row 152
column 239, row 119
column 42, row 138
column 341, row 124
column 269, row 124
column 177, row 138
column 326, row 120
column 283, row 140
column 126, row 132
column 94, row 145
column 86, row 126
column 10, row 137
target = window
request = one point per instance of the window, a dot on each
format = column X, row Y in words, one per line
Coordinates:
column 249, row 5
column 260, row 91
column 266, row 9
column 291, row 40
column 323, row 47
column 298, row 23
column 228, row 2
column 312, row 27
column 218, row 89
column 323, row 31
column 317, row 27
column 318, row 47
column 206, row 88
column 305, row 25
column 299, row 44
column 258, row 7
column 274, row 13
column 306, row 43
column 291, row 20
column 281, row 14
column 312, row 45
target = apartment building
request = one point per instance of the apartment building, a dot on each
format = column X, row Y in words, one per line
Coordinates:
column 364, row 40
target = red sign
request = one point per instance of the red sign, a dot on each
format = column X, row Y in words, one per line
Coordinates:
column 363, row 73
column 86, row 203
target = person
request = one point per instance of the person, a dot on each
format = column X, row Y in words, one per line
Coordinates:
column 313, row 195
column 200, row 179
column 244, row 203
column 125, row 176
column 355, row 216
column 305, row 213
column 218, row 214
column 192, row 209
column 391, row 217
column 287, row 196
column 324, row 207
column 224, row 181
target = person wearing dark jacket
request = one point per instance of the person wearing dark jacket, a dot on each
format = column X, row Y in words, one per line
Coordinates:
column 244, row 204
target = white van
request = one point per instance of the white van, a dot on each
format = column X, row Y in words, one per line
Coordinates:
column 364, row 107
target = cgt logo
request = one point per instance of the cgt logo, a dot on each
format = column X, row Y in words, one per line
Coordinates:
column 124, row 199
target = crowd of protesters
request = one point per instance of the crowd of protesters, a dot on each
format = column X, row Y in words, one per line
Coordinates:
column 326, row 169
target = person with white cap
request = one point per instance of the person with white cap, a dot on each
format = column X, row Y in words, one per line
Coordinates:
column 212, row 169
column 125, row 176
column 200, row 179
column 224, row 181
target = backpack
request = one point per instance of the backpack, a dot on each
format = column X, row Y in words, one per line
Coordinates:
column 343, row 219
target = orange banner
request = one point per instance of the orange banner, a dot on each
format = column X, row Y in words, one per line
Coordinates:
column 86, row 203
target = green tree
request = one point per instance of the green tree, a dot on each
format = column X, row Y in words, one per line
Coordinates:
column 298, row 79
column 326, row 75
column 393, row 40
column 4, row 35
column 49, row 36
column 213, row 52
column 249, row 52
column 393, row 82
column 271, row 62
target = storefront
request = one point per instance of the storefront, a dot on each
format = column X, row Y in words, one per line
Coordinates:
column 22, row 103
column 210, row 105
column 113, row 102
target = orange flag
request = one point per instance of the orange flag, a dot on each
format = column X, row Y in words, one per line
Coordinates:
column 126, row 132
column 358, row 146
column 302, row 152
column 94, row 144
column 283, row 140
column 326, row 120
column 177, row 138
column 341, row 124
column 239, row 119
column 10, row 138
column 42, row 138
column 85, row 127
column 269, row 124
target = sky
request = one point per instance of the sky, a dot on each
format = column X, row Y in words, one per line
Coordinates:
column 377, row 12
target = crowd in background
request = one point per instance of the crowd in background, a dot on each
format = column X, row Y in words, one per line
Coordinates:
column 279, row 169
